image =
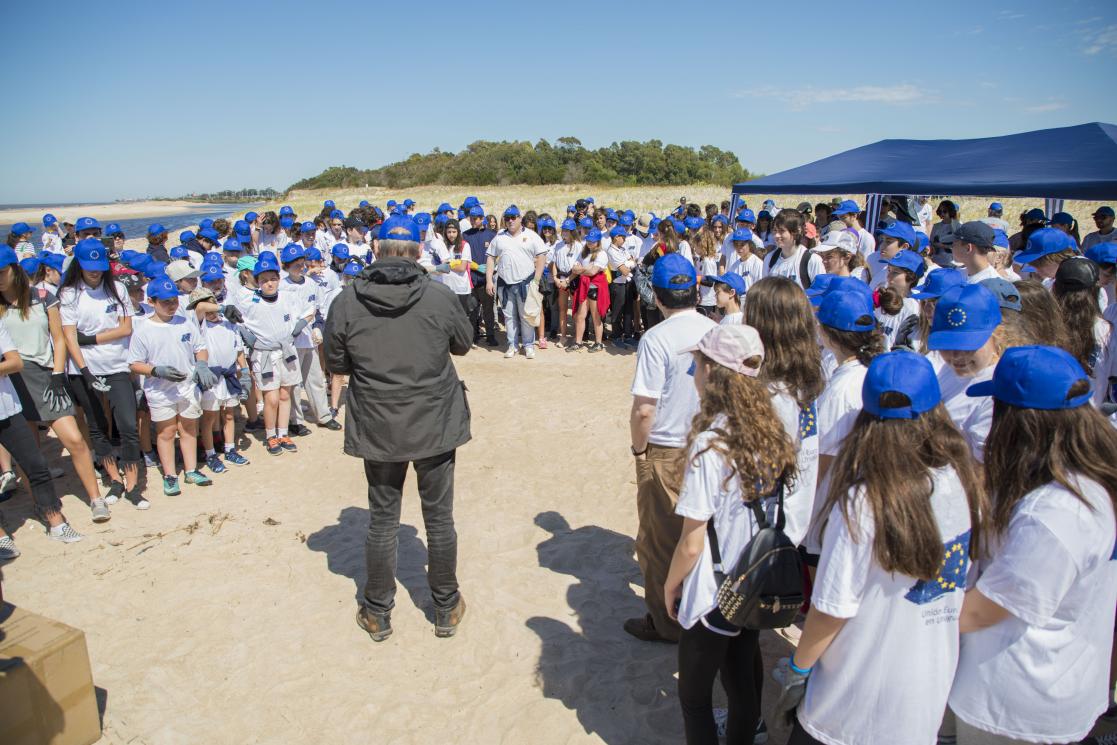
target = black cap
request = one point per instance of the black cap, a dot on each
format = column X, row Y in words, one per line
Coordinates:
column 975, row 232
column 1076, row 273
column 353, row 222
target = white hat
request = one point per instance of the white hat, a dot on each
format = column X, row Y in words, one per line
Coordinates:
column 180, row 269
column 843, row 240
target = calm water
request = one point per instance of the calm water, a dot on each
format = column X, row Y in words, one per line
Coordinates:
column 137, row 228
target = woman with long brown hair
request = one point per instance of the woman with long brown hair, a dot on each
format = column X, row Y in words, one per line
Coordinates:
column 1037, row 627
column 1076, row 292
column 902, row 521
column 1039, row 320
column 592, row 296
column 734, row 423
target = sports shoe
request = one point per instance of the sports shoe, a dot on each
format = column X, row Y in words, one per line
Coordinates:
column 8, row 550
column 100, row 510
column 529, row 352
column 255, row 425
column 273, row 446
column 288, row 445
column 232, row 456
column 197, row 478
column 492, row 342
column 378, row 625
column 213, row 463
column 597, row 347
column 171, row 487
column 115, row 492
column 151, row 460
column 509, row 353
column 137, row 499
column 446, row 622
column 64, row 534
column 298, row 430
column 333, row 425
column 8, row 481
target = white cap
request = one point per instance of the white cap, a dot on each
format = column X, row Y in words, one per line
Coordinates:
column 843, row 240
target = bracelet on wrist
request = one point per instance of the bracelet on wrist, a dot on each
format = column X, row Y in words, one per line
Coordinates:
column 795, row 668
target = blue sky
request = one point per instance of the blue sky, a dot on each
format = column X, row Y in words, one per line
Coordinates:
column 124, row 99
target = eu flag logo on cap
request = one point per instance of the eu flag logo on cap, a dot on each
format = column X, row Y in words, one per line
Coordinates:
column 951, row 576
column 808, row 422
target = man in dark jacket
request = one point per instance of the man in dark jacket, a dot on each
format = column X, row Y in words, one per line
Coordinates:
column 392, row 331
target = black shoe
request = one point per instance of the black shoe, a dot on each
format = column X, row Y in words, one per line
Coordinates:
column 378, row 625
column 256, row 425
column 644, row 630
column 446, row 621
column 492, row 342
column 298, row 430
column 333, row 425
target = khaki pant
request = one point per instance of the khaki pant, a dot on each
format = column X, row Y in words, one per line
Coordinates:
column 658, row 480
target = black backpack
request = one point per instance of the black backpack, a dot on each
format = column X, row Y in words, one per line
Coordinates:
column 804, row 262
column 765, row 590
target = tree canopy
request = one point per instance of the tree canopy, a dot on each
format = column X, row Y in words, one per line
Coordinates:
column 566, row 161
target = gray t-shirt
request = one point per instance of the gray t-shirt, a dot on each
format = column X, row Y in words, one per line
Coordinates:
column 32, row 334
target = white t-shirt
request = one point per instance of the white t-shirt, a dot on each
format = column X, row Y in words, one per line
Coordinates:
column 9, row 401
column 889, row 324
column 972, row 416
column 515, row 254
column 273, row 321
column 877, row 269
column 751, row 269
column 223, row 344
column 617, row 256
column 866, row 243
column 1092, row 239
column 705, row 494
column 788, row 266
column 996, row 223
column 460, row 282
column 565, row 255
column 53, row 242
column 801, row 426
column 707, row 267
column 1042, row 674
column 731, row 319
column 986, row 273
column 309, row 294
column 729, row 251
column 91, row 311
column 174, row 344
column 892, row 663
column 661, row 373
column 599, row 259
column 646, row 245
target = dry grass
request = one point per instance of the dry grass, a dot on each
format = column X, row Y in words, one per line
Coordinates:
column 658, row 199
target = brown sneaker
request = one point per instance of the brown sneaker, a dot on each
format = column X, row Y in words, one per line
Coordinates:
column 644, row 630
column 446, row 621
column 378, row 625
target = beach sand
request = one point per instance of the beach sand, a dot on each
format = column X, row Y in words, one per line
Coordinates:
column 103, row 212
column 225, row 615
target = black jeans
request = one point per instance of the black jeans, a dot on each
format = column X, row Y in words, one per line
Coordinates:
column 702, row 654
column 436, row 495
column 470, row 307
column 17, row 438
column 621, row 297
column 122, row 400
column 486, row 302
column 800, row 736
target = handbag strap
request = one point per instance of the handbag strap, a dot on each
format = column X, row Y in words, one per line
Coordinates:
column 761, row 520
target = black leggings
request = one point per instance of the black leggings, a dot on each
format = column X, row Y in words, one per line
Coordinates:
column 702, row 654
column 17, row 438
column 800, row 736
column 122, row 400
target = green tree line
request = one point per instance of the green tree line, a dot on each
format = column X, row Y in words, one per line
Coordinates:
column 566, row 161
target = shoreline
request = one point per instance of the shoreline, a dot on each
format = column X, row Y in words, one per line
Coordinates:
column 104, row 212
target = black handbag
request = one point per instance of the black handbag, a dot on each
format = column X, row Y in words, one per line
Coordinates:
column 765, row 589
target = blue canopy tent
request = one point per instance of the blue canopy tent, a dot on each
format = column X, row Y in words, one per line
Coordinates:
column 1077, row 162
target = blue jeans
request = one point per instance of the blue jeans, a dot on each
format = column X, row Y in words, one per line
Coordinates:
column 512, row 297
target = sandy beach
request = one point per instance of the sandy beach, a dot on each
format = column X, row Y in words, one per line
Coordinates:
column 225, row 615
column 103, row 212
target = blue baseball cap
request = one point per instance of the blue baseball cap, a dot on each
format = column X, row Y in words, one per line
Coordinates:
column 1035, row 377
column 1000, row 239
column 909, row 260
column 764, row 215
column 610, row 214
column 720, row 218
column 51, row 259
column 847, row 310
column 423, row 218
column 734, row 280
column 938, row 282
column 113, row 229
column 22, row 228
column 312, row 254
column 286, row 222
column 352, row 269
column 340, row 251
column 834, row 283
column 206, row 223
column 86, row 223
column 409, row 203
column 1043, row 242
column 585, row 222
column 997, row 207
column 679, row 226
column 155, row 229
column 546, row 222
column 363, row 204
column 1062, row 218
column 232, row 244
column 250, row 217
column 265, row 262
column 846, row 207
column 92, row 255
column 589, row 200
column 242, row 228
column 511, row 211
column 328, row 203
column 476, row 211
column 900, row 230
column 921, row 241
column 162, row 288
column 337, row 215
column 179, row 252
column 1008, row 297
column 626, row 219
column 292, row 252
column 820, row 285
column 307, row 227
column 30, row 265
column 213, row 257
column 569, row 224
column 694, row 223
column 667, row 270
column 746, row 215
column 211, row 273
column 286, row 211
column 1102, row 253
column 441, row 219
column 742, row 235
column 594, row 236
column 153, row 268
column 49, row 219
column 617, row 230
column 471, row 202
column 965, row 318
column 444, row 207
column 186, row 236
column 209, row 234
column 8, row 255
column 391, row 203
column 394, row 227
column 903, row 372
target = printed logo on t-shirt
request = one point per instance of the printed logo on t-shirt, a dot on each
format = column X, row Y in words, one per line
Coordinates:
column 185, row 337
column 808, row 422
column 110, row 308
column 951, row 576
column 286, row 317
column 310, row 298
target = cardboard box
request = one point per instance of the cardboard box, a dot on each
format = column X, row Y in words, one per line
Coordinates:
column 46, row 688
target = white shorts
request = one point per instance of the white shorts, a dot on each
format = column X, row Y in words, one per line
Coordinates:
column 270, row 370
column 187, row 408
column 210, row 402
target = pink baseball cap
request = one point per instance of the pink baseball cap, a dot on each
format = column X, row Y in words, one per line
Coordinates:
column 730, row 346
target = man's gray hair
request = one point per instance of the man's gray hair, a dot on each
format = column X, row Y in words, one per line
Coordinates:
column 408, row 249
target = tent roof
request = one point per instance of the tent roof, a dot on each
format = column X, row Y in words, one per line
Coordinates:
column 1077, row 162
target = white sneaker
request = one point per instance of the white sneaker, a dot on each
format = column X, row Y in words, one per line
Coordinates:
column 529, row 352
column 100, row 511
column 8, row 550
column 64, row 533
column 8, row 481
column 509, row 354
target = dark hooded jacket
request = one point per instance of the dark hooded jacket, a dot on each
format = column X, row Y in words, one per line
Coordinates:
column 392, row 331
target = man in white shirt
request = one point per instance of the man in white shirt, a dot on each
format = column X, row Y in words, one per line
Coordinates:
column 1103, row 218
column 516, row 258
column 664, row 401
column 847, row 212
column 973, row 243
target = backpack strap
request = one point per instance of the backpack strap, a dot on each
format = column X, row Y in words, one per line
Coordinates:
column 805, row 280
column 761, row 520
column 715, row 552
